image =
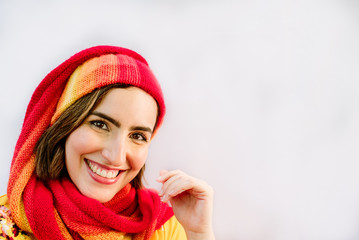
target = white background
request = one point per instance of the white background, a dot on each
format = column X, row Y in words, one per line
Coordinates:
column 262, row 99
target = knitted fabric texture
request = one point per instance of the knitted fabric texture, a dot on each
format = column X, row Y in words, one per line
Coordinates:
column 56, row 209
column 105, row 70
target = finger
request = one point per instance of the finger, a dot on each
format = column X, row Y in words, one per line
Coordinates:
column 167, row 183
column 163, row 172
column 195, row 187
column 178, row 187
column 165, row 175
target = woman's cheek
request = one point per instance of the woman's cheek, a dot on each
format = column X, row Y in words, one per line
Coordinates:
column 139, row 159
column 85, row 138
column 79, row 139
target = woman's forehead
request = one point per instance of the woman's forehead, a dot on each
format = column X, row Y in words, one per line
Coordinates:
column 130, row 104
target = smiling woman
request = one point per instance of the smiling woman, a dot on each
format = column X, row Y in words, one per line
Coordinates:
column 107, row 151
column 79, row 161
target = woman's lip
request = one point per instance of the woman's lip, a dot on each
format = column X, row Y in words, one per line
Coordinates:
column 102, row 166
column 101, row 179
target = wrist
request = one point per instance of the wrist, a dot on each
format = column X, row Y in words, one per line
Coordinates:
column 200, row 235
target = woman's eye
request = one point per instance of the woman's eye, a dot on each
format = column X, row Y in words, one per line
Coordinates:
column 99, row 124
column 139, row 136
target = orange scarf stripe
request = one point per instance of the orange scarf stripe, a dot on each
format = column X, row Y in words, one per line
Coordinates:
column 25, row 153
column 65, row 233
column 94, row 73
column 16, row 204
column 108, row 236
column 21, row 172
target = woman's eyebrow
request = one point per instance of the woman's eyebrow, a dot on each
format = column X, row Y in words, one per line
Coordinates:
column 140, row 128
column 117, row 124
column 108, row 118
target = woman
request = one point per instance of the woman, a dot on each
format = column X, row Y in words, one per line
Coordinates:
column 78, row 164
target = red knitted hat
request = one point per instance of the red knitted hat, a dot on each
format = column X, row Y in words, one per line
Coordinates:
column 106, row 70
column 97, row 67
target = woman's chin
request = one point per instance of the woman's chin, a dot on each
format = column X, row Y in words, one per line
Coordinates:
column 101, row 197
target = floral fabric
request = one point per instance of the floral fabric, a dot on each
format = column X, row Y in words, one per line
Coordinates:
column 8, row 229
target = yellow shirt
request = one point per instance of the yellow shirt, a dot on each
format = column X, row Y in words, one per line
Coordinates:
column 172, row 229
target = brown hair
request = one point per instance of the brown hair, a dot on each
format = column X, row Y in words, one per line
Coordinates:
column 50, row 149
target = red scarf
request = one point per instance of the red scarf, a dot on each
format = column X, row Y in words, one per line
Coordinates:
column 57, row 210
column 133, row 212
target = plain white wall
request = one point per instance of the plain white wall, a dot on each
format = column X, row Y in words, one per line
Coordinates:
column 262, row 99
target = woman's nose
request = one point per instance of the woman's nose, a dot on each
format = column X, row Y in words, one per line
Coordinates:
column 115, row 151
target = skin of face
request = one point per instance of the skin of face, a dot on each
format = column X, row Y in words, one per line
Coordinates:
column 109, row 148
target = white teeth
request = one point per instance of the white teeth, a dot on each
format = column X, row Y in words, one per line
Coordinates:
column 109, row 175
column 102, row 172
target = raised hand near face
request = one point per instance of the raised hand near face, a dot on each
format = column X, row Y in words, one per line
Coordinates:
column 191, row 200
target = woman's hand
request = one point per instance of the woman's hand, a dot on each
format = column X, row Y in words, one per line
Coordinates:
column 191, row 200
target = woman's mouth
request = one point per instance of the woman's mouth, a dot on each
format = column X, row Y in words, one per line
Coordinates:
column 102, row 174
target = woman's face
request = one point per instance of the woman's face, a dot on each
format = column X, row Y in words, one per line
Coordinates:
column 108, row 150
